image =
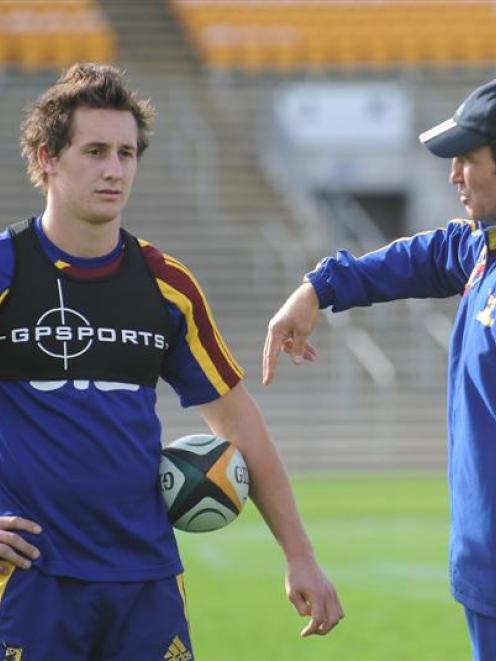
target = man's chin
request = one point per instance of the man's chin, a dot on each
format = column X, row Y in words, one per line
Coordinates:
column 101, row 218
column 469, row 212
column 485, row 219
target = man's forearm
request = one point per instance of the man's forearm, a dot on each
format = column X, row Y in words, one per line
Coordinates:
column 236, row 418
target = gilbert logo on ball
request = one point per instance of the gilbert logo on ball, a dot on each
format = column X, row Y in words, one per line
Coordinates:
column 204, row 482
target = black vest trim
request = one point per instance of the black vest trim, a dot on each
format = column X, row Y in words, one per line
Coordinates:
column 56, row 327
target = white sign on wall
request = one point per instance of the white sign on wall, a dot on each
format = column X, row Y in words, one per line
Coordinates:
column 345, row 115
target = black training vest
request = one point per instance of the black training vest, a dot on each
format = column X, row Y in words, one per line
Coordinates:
column 53, row 326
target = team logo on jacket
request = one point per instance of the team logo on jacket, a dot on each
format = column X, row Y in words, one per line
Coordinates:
column 486, row 316
column 478, row 271
column 65, row 334
column 12, row 653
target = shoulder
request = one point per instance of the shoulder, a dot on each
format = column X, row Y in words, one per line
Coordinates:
column 6, row 261
column 465, row 230
column 5, row 240
column 455, row 229
column 468, row 241
column 173, row 277
column 467, row 233
column 463, row 225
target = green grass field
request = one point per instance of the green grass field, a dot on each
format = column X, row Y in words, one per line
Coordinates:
column 382, row 539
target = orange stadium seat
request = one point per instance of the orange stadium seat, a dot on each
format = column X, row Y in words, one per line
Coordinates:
column 42, row 34
column 285, row 34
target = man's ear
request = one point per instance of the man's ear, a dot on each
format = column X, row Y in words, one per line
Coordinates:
column 46, row 162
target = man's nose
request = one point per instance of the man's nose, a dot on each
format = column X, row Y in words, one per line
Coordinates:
column 456, row 174
column 113, row 166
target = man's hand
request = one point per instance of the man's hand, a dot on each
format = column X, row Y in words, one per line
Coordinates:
column 289, row 329
column 312, row 594
column 13, row 547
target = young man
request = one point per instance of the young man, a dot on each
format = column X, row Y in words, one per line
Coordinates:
column 90, row 318
column 460, row 259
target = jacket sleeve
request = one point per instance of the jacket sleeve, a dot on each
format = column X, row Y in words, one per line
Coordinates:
column 433, row 264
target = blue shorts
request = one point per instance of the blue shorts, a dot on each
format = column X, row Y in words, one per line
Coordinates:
column 43, row 618
column 482, row 634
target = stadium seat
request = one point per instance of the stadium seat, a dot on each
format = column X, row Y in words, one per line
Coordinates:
column 257, row 35
column 37, row 35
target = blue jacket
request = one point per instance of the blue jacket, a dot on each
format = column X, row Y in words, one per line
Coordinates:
column 459, row 259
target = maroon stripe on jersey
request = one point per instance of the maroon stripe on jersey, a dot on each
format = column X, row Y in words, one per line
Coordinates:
column 95, row 272
column 181, row 281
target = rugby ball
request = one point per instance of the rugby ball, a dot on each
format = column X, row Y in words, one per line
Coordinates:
column 204, row 481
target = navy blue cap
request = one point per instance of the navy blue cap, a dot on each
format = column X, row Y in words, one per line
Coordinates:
column 473, row 125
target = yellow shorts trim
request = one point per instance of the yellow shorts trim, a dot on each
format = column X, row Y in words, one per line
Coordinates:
column 182, row 592
column 8, row 568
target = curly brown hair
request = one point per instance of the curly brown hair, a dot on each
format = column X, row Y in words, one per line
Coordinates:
column 86, row 85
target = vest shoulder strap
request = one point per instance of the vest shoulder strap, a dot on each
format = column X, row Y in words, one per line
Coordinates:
column 17, row 228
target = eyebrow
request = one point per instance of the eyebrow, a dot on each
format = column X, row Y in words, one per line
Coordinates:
column 96, row 143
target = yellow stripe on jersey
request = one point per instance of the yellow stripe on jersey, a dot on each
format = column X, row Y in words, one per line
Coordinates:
column 227, row 354
column 3, row 294
column 192, row 336
column 220, row 342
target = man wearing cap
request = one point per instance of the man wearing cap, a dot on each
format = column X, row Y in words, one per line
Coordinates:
column 458, row 259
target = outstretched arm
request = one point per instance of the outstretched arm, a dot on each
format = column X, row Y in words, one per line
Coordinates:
column 236, row 418
column 430, row 264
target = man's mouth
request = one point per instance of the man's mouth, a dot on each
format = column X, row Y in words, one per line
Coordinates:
column 108, row 191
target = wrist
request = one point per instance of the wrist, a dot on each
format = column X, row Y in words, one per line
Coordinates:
column 323, row 292
column 300, row 553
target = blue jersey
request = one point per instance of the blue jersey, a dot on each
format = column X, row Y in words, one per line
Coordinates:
column 81, row 457
column 459, row 259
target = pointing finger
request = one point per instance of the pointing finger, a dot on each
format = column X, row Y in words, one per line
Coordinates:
column 272, row 349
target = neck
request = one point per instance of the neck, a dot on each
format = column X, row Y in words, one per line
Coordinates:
column 80, row 237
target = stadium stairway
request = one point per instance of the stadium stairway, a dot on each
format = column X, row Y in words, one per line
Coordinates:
column 201, row 195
